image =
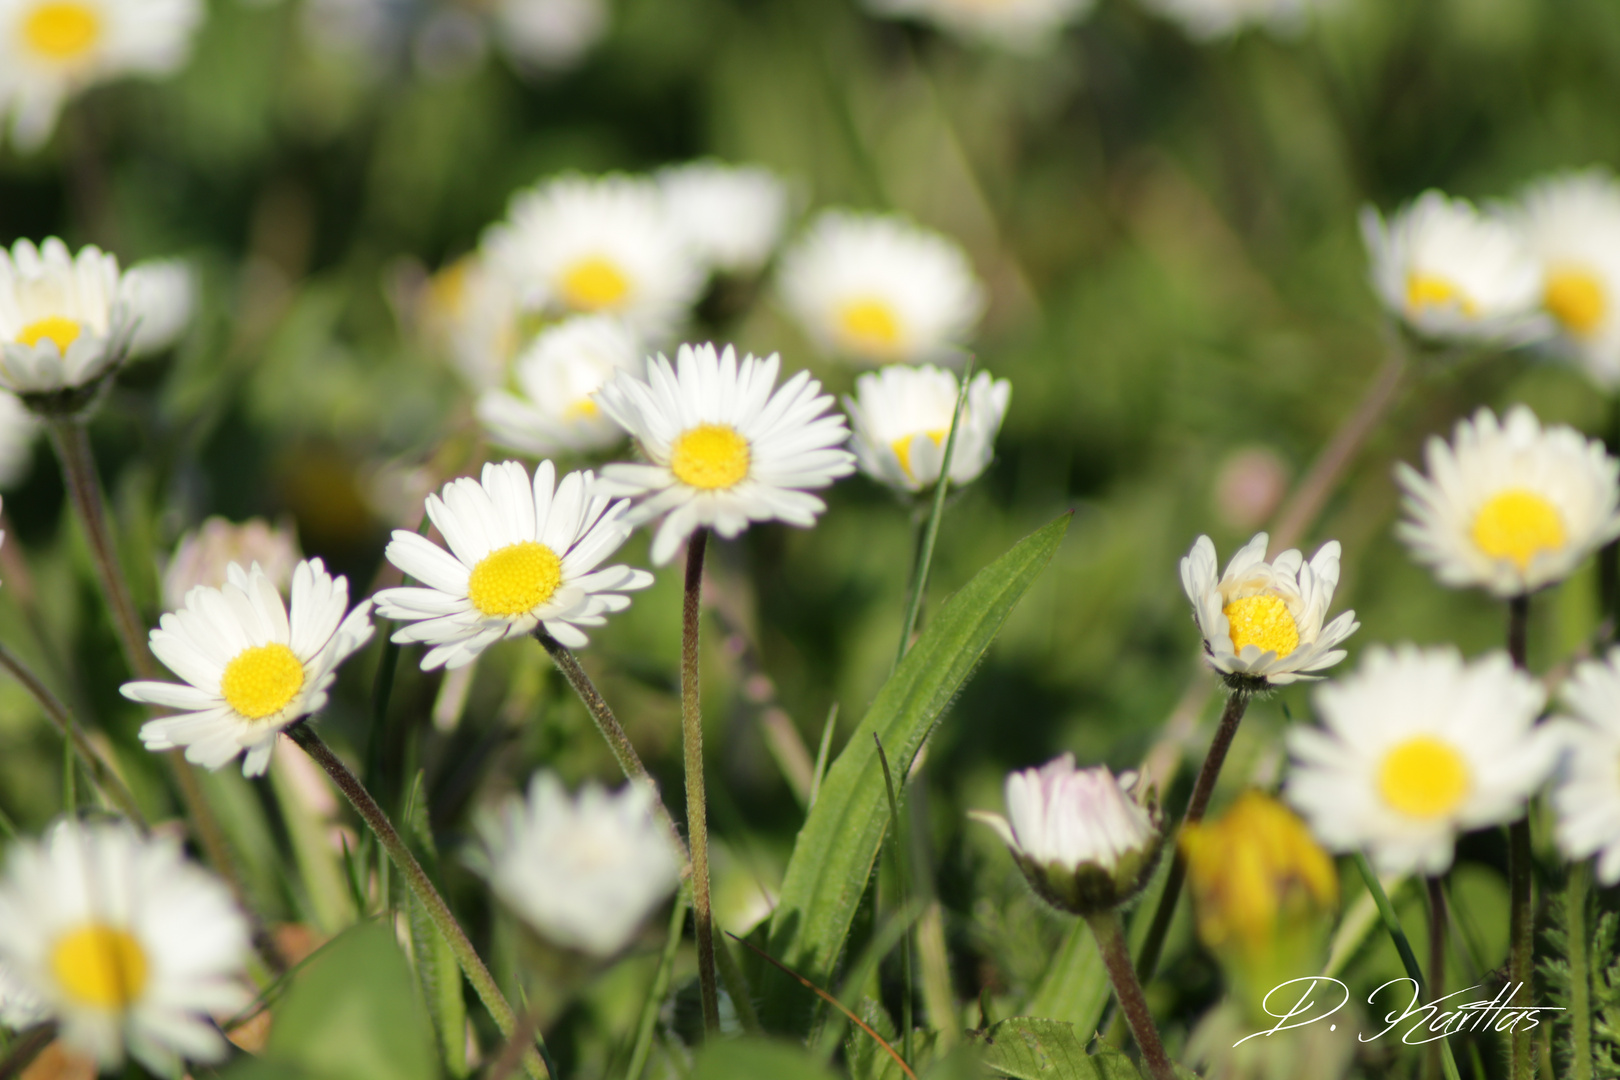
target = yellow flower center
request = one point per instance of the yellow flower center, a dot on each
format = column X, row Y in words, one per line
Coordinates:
column 870, row 324
column 594, row 283
column 100, row 965
column 585, row 408
column 1517, row 524
column 261, row 680
column 710, row 456
column 62, row 330
column 61, row 29
column 1431, row 290
column 1424, row 777
column 514, row 580
column 1576, row 298
column 1262, row 620
column 902, row 448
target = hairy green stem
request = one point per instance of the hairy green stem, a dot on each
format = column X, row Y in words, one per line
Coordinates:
column 1128, row 991
column 697, row 809
column 1521, row 894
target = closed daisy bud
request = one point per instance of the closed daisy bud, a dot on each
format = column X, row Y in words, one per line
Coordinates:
column 1509, row 506
column 64, row 323
column 1086, row 841
column 902, row 416
column 1571, row 224
column 558, row 376
column 1587, row 796
column 126, row 944
column 731, row 215
column 1018, row 25
column 1262, row 621
column 1414, row 748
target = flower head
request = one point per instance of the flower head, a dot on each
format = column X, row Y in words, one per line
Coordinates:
column 253, row 669
column 1262, row 621
column 1017, row 25
column 902, row 415
column 549, row 35
column 1587, row 795
column 204, row 556
column 558, row 376
column 64, row 322
column 1509, row 506
column 725, row 448
column 1571, row 225
column 731, row 215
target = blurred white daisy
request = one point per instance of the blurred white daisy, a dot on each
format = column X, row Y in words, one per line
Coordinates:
column 1571, row 223
column 879, row 289
column 160, row 295
column 1453, row 273
column 469, row 312
column 252, row 669
column 64, row 321
column 1587, row 795
column 558, row 377
column 204, row 556
column 731, row 215
column 605, row 245
column 1262, row 621
column 902, row 415
column 521, row 555
column 1415, row 747
column 549, row 35
column 1020, row 25
column 129, row 946
column 20, row 1007
column 585, row 871
column 51, row 50
column 725, row 449
column 1508, row 506
column 18, row 429
column 1207, row 20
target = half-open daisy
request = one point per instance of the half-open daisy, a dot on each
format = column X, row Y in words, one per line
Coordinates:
column 1587, row 796
column 1571, row 223
column 1509, row 506
column 724, row 449
column 902, row 415
column 521, row 556
column 252, row 669
column 63, row 320
column 559, row 375
column 1262, row 621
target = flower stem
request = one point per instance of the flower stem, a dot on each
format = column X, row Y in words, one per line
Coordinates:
column 417, row 881
column 1521, row 912
column 697, row 810
column 1437, row 963
column 655, row 993
column 1117, row 958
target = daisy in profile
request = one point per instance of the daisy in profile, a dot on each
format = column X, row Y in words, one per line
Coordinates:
column 1509, row 506
column 522, row 555
column 1587, row 795
column 51, row 50
column 606, row 245
column 1210, row 20
column 731, row 215
column 1452, row 273
column 1414, row 748
column 252, row 669
column 64, row 320
column 878, row 289
column 902, row 415
column 585, row 871
column 1262, row 622
column 558, row 377
column 1571, row 223
column 1018, row 25
column 126, row 944
column 725, row 449
column 468, row 312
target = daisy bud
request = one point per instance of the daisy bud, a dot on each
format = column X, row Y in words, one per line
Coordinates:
column 902, row 416
column 1085, row 841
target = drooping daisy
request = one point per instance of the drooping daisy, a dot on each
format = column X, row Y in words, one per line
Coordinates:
column 549, row 35
column 253, row 669
column 129, row 946
column 724, row 449
column 1587, row 796
column 53, row 49
column 902, row 415
column 1508, row 506
column 1020, row 25
column 605, row 245
column 521, row 555
column 559, row 375
column 204, row 556
column 160, row 295
column 879, row 289
column 1207, row 20
column 583, row 871
column 1452, row 273
column 469, row 312
column 1571, row 223
column 1262, row 621
column 63, row 322
column 732, row 215
column 1415, row 747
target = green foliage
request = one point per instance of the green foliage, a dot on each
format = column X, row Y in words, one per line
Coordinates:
column 756, row 1059
column 1606, row 997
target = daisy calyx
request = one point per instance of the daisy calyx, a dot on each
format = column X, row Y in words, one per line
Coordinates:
column 1262, row 622
column 253, row 668
column 725, row 449
column 521, row 555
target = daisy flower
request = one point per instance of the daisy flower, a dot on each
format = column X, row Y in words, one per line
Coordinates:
column 607, row 245
column 64, row 321
column 1587, row 795
column 521, row 556
column 879, row 289
column 1416, row 747
column 1018, row 25
column 1509, row 506
column 53, row 49
column 584, row 871
column 731, row 215
column 1452, row 273
column 549, row 35
column 558, row 376
column 253, row 670
column 1262, row 621
column 1208, row 20
column 125, row 943
column 902, row 416
column 1571, row 224
column 725, row 449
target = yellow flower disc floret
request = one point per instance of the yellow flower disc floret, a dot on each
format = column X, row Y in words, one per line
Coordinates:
column 1433, row 291
column 1424, row 777
column 262, row 680
column 1518, row 524
column 902, row 448
column 61, row 330
column 870, row 324
column 1262, row 620
column 593, row 284
column 98, row 965
column 1576, row 299
column 61, row 30
column 515, row 579
column 710, row 456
